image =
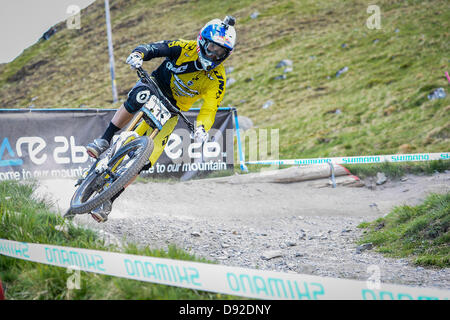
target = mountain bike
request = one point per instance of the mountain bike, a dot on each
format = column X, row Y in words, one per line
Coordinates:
column 128, row 154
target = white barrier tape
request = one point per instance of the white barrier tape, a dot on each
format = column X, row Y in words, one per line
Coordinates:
column 215, row 278
column 360, row 159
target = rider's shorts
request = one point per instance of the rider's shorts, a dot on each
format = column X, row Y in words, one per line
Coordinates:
column 140, row 94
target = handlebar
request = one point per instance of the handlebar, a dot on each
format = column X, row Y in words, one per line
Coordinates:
column 143, row 75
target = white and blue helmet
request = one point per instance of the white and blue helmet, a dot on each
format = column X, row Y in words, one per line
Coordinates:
column 219, row 35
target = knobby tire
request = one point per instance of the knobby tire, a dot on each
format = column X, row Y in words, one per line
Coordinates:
column 144, row 147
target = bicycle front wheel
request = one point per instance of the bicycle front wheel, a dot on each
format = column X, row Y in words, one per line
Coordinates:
column 96, row 188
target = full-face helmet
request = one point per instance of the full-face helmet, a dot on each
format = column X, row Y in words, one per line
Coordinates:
column 215, row 42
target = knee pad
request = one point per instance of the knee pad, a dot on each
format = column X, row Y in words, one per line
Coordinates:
column 137, row 97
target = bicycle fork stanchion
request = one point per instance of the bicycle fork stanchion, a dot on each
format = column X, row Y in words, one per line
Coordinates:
column 333, row 180
column 238, row 135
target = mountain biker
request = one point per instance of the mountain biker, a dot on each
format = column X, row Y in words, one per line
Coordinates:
column 192, row 70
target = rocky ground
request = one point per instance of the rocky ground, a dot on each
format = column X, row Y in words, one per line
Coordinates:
column 282, row 227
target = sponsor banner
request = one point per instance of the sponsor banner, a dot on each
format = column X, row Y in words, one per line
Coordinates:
column 360, row 159
column 236, row 281
column 49, row 143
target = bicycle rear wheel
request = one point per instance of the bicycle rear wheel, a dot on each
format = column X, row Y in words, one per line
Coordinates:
column 96, row 188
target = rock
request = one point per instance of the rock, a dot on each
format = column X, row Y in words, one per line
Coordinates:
column 363, row 247
column 288, row 69
column 346, row 230
column 341, row 71
column 254, row 15
column 230, row 81
column 229, row 70
column 284, row 63
column 245, row 123
column 268, row 104
column 439, row 93
column 281, row 77
column 63, row 228
column 271, row 254
column 338, row 111
column 291, row 244
column 195, row 234
column 50, row 32
column 381, row 178
column 379, row 226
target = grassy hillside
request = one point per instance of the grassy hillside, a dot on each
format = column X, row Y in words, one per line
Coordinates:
column 382, row 97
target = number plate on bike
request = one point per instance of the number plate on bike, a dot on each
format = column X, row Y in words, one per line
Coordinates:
column 155, row 109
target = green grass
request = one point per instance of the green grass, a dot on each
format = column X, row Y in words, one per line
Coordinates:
column 23, row 218
column 418, row 232
column 398, row 170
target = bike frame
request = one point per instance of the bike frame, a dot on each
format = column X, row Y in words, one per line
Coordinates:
column 144, row 128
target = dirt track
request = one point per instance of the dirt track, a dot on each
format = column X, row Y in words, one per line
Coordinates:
column 285, row 227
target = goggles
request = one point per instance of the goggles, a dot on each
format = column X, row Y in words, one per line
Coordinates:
column 214, row 51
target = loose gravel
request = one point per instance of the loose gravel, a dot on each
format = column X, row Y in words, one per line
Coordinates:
column 292, row 230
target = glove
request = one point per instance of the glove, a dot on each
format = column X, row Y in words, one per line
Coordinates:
column 200, row 135
column 135, row 60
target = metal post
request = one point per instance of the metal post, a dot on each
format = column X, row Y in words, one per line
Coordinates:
column 110, row 51
column 333, row 180
column 238, row 134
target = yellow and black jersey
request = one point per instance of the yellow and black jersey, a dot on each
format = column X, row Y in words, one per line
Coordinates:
column 182, row 79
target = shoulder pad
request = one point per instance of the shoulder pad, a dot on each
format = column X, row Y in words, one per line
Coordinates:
column 188, row 45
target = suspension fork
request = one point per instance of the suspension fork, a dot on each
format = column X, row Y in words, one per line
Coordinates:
column 142, row 128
